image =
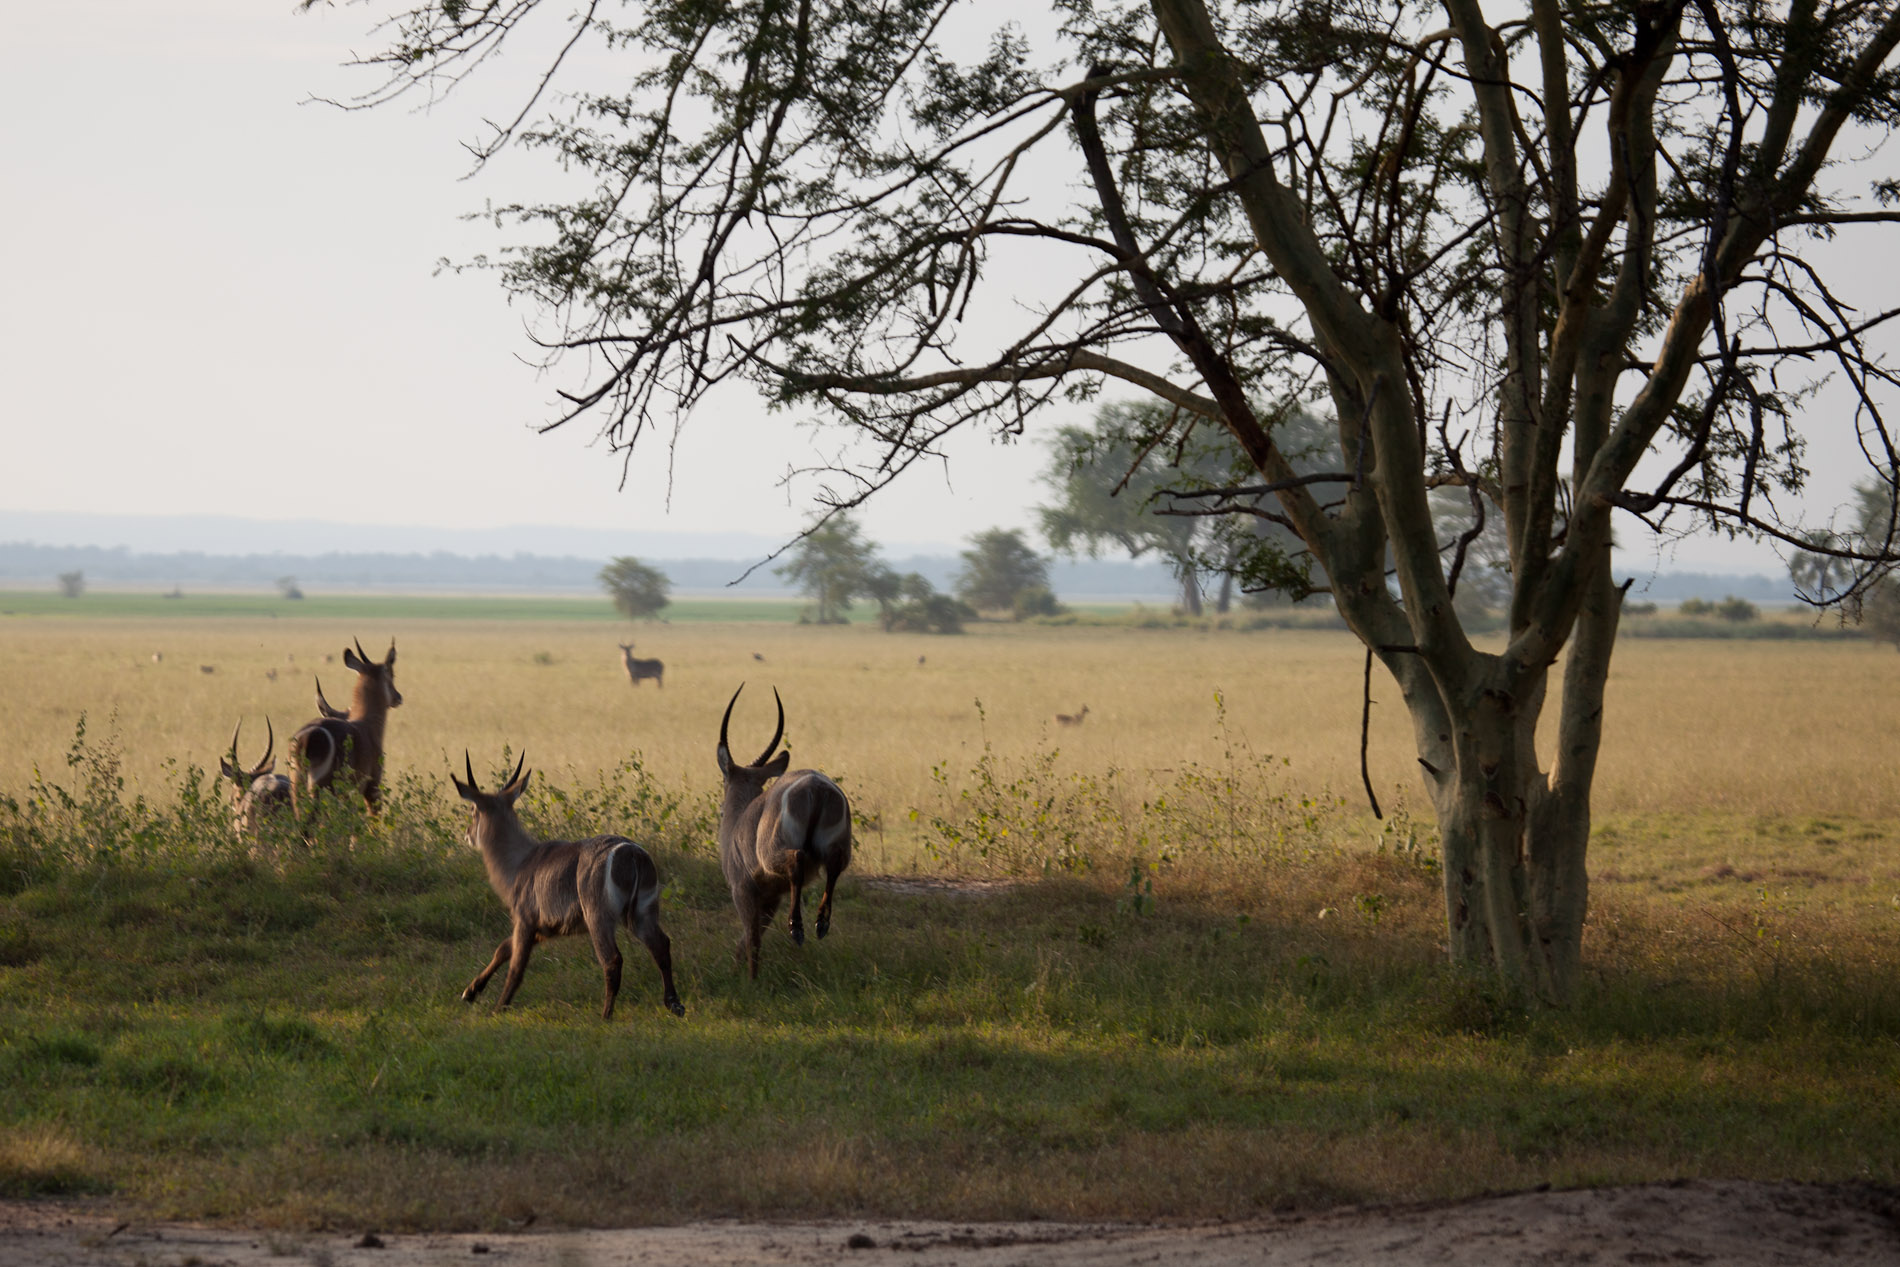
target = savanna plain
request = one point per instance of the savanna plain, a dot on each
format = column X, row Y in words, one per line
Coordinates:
column 1164, row 964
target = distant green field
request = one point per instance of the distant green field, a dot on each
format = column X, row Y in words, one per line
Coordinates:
column 384, row 607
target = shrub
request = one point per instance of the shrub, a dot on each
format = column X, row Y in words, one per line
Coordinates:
column 1035, row 601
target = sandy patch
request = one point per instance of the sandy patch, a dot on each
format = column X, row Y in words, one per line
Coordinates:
column 1745, row 1224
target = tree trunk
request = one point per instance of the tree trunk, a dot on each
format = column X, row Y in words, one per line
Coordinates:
column 1190, row 590
column 1226, row 598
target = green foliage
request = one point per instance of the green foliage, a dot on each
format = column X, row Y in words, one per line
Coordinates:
column 998, row 568
column 832, row 565
column 1737, row 610
column 1112, row 482
column 639, row 591
column 72, row 584
column 1033, row 602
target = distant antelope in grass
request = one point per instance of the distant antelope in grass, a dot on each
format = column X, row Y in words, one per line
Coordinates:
column 320, row 750
column 1072, row 719
column 771, row 842
column 556, row 888
column 639, row 670
column 258, row 792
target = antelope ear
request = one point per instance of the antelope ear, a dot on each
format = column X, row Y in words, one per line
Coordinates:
column 391, row 657
column 264, row 769
column 462, row 789
column 513, row 791
column 351, row 662
column 225, row 765
column 777, row 765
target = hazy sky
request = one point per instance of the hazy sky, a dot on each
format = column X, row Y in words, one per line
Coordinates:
column 220, row 300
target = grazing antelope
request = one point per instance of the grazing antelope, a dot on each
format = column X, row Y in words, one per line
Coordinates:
column 1072, row 719
column 555, row 888
column 773, row 841
column 258, row 791
column 637, row 669
column 321, row 749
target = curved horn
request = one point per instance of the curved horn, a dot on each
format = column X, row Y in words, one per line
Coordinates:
column 270, row 745
column 324, row 706
column 727, row 720
column 236, row 766
column 517, row 774
column 777, row 734
column 360, row 653
column 470, row 767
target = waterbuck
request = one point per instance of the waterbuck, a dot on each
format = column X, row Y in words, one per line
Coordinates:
column 774, row 841
column 555, row 888
column 639, row 670
column 1072, row 719
column 258, row 792
column 323, row 749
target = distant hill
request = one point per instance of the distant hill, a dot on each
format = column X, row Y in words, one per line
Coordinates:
column 24, row 565
column 226, row 552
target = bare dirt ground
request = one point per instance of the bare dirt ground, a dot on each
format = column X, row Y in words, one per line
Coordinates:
column 1744, row 1224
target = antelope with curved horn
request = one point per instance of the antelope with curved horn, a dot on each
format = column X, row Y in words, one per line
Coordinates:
column 555, row 888
column 1072, row 719
column 325, row 708
column 772, row 842
column 257, row 791
column 322, row 750
column 639, row 670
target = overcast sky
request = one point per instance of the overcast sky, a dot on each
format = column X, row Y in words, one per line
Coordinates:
column 219, row 299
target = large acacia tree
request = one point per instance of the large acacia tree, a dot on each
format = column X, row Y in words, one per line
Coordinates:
column 1554, row 255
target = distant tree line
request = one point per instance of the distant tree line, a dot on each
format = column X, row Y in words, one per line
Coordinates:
column 835, row 566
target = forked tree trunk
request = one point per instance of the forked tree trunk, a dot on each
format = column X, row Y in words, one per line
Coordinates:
column 1514, row 834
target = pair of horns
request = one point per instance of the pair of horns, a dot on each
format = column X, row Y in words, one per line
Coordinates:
column 469, row 765
column 264, row 763
column 364, row 655
column 776, row 735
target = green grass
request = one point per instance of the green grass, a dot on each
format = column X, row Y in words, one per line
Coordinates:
column 1253, row 1022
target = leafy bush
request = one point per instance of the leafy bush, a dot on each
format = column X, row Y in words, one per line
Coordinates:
column 1035, row 601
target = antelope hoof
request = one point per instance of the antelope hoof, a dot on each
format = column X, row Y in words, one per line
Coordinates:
column 798, row 934
column 468, row 995
column 674, row 1006
column 824, row 925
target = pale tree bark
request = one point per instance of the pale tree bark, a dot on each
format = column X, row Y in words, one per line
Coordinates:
column 1514, row 833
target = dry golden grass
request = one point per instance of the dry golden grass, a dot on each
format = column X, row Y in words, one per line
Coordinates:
column 1765, row 728
column 1751, row 728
